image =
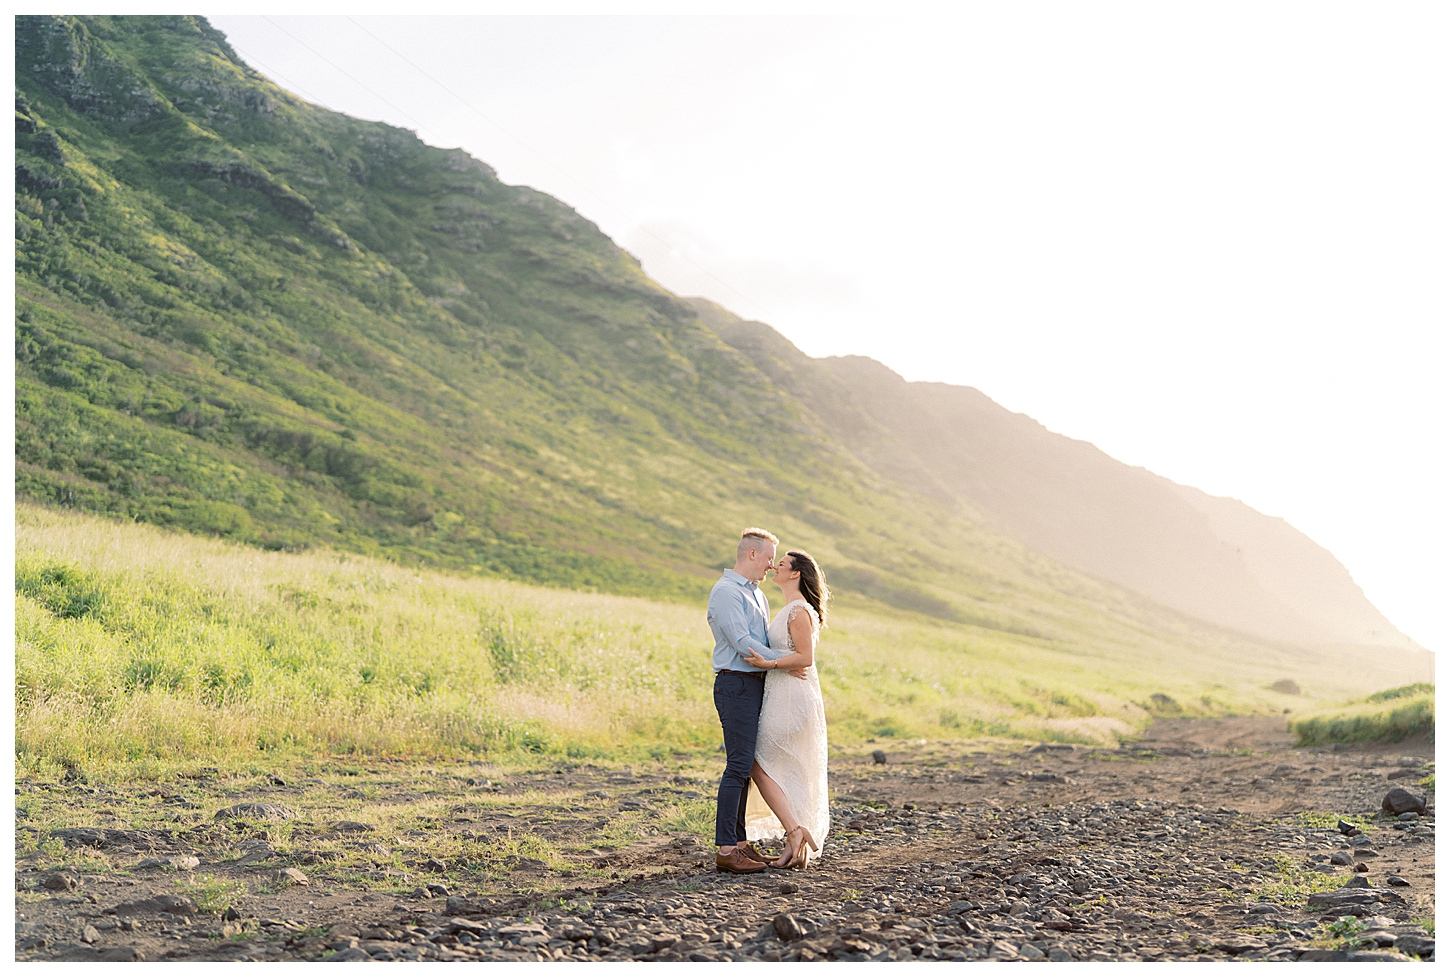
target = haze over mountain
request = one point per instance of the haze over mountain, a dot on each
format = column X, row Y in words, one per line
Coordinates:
column 241, row 314
column 1214, row 558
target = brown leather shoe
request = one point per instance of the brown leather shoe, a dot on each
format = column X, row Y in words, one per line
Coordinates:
column 754, row 852
column 738, row 862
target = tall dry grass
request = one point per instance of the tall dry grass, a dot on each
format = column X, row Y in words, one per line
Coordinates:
column 140, row 648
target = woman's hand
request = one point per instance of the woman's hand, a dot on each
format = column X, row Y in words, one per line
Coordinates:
column 754, row 659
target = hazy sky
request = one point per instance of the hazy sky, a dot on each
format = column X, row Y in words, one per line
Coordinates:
column 1209, row 239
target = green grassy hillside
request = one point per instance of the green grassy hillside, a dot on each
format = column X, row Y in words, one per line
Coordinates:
column 247, row 317
column 141, row 650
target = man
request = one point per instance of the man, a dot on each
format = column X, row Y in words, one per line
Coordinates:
column 739, row 617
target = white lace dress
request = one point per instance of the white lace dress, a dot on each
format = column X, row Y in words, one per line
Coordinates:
column 791, row 744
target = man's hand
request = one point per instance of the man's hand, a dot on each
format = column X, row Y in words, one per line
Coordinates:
column 799, row 673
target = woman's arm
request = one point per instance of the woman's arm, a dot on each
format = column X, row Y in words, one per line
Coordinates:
column 803, row 636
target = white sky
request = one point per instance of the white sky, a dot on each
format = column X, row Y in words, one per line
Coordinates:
column 1210, row 239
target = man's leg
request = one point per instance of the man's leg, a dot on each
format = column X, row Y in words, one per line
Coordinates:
column 737, row 701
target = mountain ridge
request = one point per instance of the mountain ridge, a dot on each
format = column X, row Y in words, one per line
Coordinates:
column 410, row 357
column 1214, row 558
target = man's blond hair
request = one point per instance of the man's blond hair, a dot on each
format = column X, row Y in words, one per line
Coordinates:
column 752, row 538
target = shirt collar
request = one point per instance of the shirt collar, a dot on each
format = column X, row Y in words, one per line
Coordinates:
column 737, row 578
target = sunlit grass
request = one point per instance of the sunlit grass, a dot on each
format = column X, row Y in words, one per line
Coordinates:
column 1390, row 715
column 140, row 651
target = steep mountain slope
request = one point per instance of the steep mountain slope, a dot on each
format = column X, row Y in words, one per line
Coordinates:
column 244, row 315
column 1214, row 558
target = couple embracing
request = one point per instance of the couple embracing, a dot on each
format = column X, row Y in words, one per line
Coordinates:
column 769, row 701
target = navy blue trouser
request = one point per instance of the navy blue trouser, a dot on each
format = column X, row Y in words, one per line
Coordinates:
column 737, row 701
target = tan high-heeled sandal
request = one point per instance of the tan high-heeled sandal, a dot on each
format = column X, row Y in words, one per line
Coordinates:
column 801, row 856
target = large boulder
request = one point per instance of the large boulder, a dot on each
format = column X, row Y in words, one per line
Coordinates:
column 1402, row 801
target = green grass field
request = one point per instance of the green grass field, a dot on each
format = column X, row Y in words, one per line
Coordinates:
column 140, row 650
column 1390, row 715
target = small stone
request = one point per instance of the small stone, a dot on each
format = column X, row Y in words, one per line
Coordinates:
column 789, row 888
column 59, row 882
column 353, row 827
column 1018, row 908
column 354, row 954
column 1366, row 853
column 435, row 865
column 421, row 892
column 90, row 934
column 788, row 928
column 1345, row 828
column 878, row 756
column 164, row 903
column 1057, row 954
column 1323, row 955
column 1358, row 882
column 120, row 954
column 1029, row 952
column 1361, row 867
column 1396, row 881
column 439, row 890
column 292, row 876
column 1340, row 858
column 1410, row 816
column 256, row 811
column 1419, row 945
column 231, row 914
column 1402, row 801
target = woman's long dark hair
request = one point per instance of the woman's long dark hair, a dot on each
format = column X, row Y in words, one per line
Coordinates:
column 813, row 581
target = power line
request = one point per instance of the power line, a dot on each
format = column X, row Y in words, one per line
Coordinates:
column 355, row 81
column 501, row 128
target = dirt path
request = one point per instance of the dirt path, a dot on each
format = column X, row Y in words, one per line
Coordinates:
column 1208, row 839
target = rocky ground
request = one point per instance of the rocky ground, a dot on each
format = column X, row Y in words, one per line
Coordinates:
column 1207, row 840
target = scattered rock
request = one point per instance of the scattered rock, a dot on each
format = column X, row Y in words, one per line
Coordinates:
column 292, row 876
column 1341, row 858
column 164, row 903
column 788, row 928
column 1402, row 801
column 184, row 863
column 1323, row 955
column 60, row 882
column 353, row 827
column 1410, row 816
column 90, row 934
column 1287, row 686
column 1361, row 867
column 256, row 811
column 1395, row 880
column 438, row 889
column 1029, row 952
column 1345, row 828
column 354, row 954
column 435, row 865
column 519, row 864
column 1420, row 946
column 789, row 888
column 878, row 756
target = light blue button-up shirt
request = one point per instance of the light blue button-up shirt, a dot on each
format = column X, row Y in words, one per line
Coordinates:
column 739, row 617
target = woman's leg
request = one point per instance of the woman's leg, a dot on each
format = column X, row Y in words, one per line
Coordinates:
column 774, row 797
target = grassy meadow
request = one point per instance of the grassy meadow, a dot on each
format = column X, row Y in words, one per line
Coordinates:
column 140, row 650
column 1390, row 715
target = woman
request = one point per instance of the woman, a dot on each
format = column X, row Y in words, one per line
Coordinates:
column 790, row 749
